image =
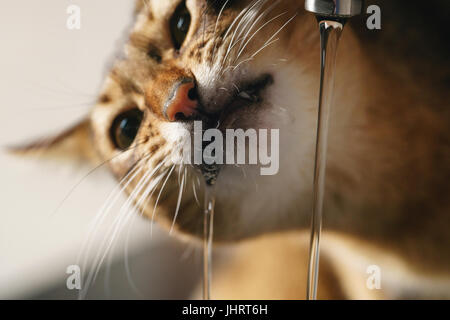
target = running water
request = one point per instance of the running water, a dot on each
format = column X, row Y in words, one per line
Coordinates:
column 208, row 220
column 210, row 173
column 330, row 32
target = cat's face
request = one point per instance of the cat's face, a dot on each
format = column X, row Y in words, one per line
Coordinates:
column 233, row 65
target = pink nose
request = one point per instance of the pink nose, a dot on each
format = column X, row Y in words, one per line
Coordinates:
column 183, row 102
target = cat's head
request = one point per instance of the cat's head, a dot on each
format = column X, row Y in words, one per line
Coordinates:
column 230, row 65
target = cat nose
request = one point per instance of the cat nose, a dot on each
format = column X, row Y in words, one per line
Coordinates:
column 182, row 103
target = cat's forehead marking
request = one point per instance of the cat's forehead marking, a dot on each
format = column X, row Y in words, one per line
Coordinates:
column 126, row 84
column 110, row 93
column 104, row 98
column 147, row 45
column 162, row 7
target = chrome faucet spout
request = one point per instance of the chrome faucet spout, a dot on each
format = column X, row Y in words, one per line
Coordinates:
column 334, row 8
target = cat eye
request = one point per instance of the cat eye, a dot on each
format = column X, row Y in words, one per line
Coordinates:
column 125, row 128
column 179, row 25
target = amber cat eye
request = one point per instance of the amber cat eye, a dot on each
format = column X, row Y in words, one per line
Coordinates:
column 179, row 25
column 125, row 128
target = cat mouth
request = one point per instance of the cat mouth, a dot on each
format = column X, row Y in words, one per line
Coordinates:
column 249, row 93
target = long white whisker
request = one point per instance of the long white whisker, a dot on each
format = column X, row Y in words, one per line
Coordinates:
column 262, row 15
column 114, row 195
column 268, row 43
column 93, row 272
column 194, row 189
column 240, row 29
column 251, row 58
column 263, row 47
column 256, row 32
column 159, row 196
column 123, row 215
column 275, row 34
column 250, row 16
column 126, row 246
column 180, row 194
column 215, row 27
column 237, row 19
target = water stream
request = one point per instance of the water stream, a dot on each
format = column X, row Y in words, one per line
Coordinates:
column 330, row 32
column 207, row 239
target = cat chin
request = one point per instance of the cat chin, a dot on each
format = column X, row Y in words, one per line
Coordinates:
column 247, row 204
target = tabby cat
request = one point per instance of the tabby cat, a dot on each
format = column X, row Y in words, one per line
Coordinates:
column 254, row 64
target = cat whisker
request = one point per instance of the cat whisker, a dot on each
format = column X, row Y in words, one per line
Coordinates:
column 256, row 32
column 64, row 90
column 60, row 106
column 117, row 222
column 215, row 28
column 90, row 172
column 247, row 18
column 128, row 272
column 124, row 214
column 243, row 17
column 148, row 193
column 251, row 58
column 114, row 195
column 157, row 199
column 179, row 174
column 260, row 16
column 107, row 277
column 180, row 195
column 267, row 43
column 238, row 20
column 194, row 189
column 144, row 197
column 86, row 248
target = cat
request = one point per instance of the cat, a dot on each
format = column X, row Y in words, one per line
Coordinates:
column 254, row 64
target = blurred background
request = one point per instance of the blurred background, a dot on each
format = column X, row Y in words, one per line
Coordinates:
column 49, row 79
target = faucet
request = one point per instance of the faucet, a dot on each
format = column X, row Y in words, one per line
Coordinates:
column 334, row 9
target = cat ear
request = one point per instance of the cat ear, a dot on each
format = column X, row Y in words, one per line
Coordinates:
column 74, row 144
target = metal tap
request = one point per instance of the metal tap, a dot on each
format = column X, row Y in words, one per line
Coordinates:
column 334, row 8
